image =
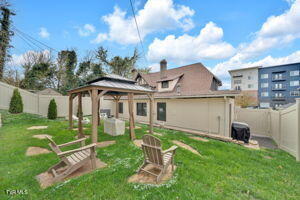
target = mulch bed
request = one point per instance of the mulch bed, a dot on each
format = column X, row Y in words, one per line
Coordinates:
column 45, row 179
column 147, row 178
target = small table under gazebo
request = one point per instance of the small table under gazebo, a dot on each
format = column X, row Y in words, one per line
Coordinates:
column 116, row 87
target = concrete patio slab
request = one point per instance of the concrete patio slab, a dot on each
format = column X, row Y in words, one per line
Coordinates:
column 265, row 142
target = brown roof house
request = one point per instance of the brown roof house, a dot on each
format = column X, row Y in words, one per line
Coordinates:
column 185, row 98
column 49, row 91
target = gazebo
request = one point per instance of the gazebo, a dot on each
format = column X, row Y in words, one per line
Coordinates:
column 116, row 87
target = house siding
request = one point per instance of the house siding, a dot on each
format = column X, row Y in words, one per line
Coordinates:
column 210, row 115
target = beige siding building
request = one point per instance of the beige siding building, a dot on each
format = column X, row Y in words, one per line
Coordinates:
column 186, row 98
column 246, row 80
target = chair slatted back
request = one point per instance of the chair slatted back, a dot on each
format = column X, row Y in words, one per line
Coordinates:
column 152, row 149
column 53, row 146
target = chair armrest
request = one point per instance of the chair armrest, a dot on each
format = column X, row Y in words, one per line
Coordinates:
column 172, row 148
column 90, row 146
column 72, row 142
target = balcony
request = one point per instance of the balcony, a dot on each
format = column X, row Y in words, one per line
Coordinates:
column 279, row 88
column 278, row 98
column 278, row 78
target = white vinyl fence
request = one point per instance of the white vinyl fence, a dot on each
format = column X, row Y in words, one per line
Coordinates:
column 282, row 126
column 38, row 104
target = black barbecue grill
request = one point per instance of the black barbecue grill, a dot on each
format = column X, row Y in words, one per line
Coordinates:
column 240, row 131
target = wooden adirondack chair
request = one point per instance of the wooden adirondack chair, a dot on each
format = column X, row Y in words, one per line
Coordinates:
column 73, row 159
column 154, row 155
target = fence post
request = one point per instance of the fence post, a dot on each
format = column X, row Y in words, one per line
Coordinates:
column 298, row 129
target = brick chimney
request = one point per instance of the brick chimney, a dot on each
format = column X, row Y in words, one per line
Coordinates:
column 163, row 68
column 134, row 73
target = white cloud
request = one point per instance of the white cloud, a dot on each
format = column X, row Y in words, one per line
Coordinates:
column 86, row 30
column 18, row 60
column 276, row 32
column 100, row 38
column 221, row 69
column 157, row 15
column 184, row 49
column 155, row 67
column 44, row 33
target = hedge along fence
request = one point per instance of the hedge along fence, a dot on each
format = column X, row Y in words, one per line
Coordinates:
column 38, row 104
column 282, row 126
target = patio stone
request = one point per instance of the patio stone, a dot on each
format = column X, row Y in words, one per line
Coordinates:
column 42, row 136
column 105, row 143
column 76, row 129
column 32, row 151
column 136, row 127
column 45, row 179
column 199, row 139
column 155, row 133
column 87, row 136
column 37, row 127
column 147, row 178
column 138, row 143
column 185, row 146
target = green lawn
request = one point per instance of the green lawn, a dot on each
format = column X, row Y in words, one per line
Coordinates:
column 226, row 171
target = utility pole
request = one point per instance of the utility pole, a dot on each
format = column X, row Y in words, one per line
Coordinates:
column 5, row 35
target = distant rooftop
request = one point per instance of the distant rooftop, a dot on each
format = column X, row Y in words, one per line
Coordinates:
column 112, row 77
column 297, row 63
column 246, row 68
column 115, row 83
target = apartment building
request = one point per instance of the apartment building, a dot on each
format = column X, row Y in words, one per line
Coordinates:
column 246, row 81
column 278, row 85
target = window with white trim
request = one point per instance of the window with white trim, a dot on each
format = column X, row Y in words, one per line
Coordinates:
column 237, row 81
column 294, row 73
column 295, row 93
column 264, row 105
column 294, row 83
column 264, row 76
column 264, row 85
column 264, row 94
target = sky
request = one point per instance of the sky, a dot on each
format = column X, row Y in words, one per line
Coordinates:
column 222, row 35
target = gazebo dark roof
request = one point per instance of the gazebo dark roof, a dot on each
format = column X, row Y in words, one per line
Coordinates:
column 115, row 83
column 108, row 85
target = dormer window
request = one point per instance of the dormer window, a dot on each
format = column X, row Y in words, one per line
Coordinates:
column 165, row 84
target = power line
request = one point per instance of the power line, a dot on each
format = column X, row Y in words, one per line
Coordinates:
column 33, row 39
column 138, row 30
column 26, row 41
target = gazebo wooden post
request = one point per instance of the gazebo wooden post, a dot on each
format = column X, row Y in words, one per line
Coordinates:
column 94, row 116
column 80, row 132
column 117, row 99
column 151, row 97
column 98, row 112
column 70, row 111
column 131, row 116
